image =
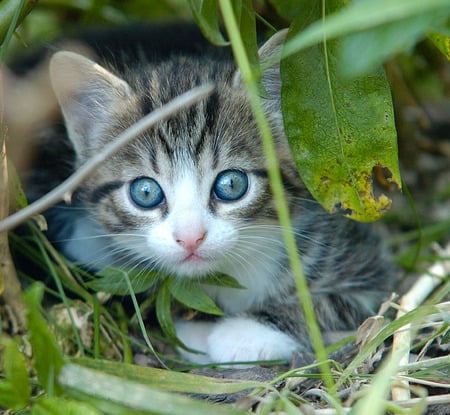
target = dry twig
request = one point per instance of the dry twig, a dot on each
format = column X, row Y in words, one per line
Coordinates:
column 411, row 300
column 10, row 288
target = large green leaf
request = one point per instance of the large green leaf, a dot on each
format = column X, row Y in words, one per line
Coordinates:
column 15, row 389
column 340, row 129
column 114, row 395
column 169, row 380
column 361, row 16
column 362, row 51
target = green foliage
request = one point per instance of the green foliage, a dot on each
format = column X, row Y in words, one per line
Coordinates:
column 192, row 295
column 206, row 14
column 115, row 395
column 365, row 15
column 112, row 280
column 339, row 121
column 340, row 129
column 164, row 313
column 48, row 358
column 403, row 24
column 442, row 42
column 170, row 381
column 119, row 281
column 62, row 406
column 15, row 389
column 12, row 12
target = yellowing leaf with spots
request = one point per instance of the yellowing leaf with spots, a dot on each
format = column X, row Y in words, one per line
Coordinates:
column 340, row 129
column 442, row 42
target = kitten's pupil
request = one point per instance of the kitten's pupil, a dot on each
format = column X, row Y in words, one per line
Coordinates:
column 146, row 193
column 230, row 185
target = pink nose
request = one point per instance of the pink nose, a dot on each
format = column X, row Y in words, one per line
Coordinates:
column 190, row 241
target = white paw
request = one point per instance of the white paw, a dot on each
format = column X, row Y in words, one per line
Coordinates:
column 194, row 334
column 235, row 339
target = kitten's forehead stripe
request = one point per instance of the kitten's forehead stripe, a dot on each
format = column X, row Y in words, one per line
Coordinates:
column 146, row 102
column 164, row 139
column 153, row 157
column 212, row 106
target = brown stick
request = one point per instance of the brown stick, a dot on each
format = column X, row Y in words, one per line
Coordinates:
column 65, row 190
column 10, row 288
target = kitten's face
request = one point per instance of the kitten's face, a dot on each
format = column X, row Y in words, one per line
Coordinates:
column 191, row 196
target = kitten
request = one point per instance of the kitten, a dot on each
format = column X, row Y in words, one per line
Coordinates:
column 191, row 197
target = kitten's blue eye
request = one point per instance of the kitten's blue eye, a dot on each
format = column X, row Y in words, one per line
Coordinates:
column 230, row 185
column 146, row 193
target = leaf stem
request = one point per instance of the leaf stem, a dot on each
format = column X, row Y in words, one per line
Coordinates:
column 8, row 9
column 141, row 321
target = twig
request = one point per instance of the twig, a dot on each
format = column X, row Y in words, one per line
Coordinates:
column 428, row 363
column 425, row 382
column 411, row 300
column 65, row 190
column 10, row 288
column 430, row 400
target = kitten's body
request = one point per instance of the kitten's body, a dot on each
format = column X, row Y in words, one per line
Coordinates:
column 198, row 159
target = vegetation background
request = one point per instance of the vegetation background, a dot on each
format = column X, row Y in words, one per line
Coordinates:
column 75, row 350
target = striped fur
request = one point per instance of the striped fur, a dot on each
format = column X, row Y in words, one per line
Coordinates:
column 193, row 233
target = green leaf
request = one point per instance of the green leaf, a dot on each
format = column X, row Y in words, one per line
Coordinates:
column 290, row 9
column 60, row 406
column 247, row 26
column 48, row 358
column 12, row 12
column 206, row 15
column 345, row 128
column 363, row 51
column 112, row 280
column 222, row 280
column 362, row 16
column 15, row 390
column 375, row 401
column 442, row 42
column 191, row 294
column 168, row 380
column 163, row 308
column 15, row 188
column 114, row 395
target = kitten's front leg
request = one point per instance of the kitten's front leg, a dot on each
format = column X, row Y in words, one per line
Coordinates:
column 235, row 339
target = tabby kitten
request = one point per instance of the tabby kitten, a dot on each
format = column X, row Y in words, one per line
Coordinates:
column 191, row 198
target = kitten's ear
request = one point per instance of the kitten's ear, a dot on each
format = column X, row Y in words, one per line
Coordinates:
column 270, row 53
column 87, row 93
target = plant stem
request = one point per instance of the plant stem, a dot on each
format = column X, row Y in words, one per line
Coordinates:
column 274, row 174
